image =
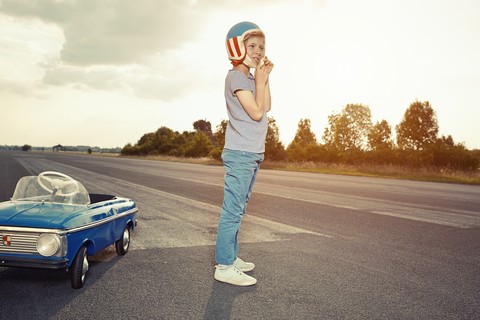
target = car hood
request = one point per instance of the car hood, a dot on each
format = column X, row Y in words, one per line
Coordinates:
column 37, row 214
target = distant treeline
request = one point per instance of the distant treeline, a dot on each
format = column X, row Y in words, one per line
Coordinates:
column 88, row 149
column 350, row 138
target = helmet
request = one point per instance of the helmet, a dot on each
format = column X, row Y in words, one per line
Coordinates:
column 237, row 53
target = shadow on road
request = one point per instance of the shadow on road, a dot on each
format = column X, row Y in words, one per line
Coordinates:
column 221, row 300
column 40, row 294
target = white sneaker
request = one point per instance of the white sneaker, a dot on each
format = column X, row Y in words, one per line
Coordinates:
column 243, row 266
column 231, row 275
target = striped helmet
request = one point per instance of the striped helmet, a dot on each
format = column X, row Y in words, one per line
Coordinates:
column 235, row 47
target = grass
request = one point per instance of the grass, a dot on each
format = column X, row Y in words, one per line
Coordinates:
column 382, row 171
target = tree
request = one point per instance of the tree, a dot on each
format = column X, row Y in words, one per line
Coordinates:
column 219, row 140
column 164, row 141
column 26, row 147
column 419, row 127
column 128, row 149
column 349, row 129
column 380, row 136
column 146, row 143
column 199, row 145
column 220, row 133
column 274, row 149
column 203, row 126
column 304, row 135
column 447, row 154
column 303, row 142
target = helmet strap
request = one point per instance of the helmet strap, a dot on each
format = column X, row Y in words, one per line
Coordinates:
column 249, row 62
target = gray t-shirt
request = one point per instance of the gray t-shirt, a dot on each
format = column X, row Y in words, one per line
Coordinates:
column 243, row 133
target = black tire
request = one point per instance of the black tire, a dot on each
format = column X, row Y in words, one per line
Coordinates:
column 79, row 268
column 123, row 244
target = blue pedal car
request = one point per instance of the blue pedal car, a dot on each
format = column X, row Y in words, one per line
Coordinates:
column 52, row 222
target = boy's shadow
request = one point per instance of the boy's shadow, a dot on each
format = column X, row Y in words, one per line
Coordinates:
column 221, row 300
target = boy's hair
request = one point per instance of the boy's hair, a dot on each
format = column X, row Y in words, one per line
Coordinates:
column 248, row 36
column 253, row 34
column 235, row 41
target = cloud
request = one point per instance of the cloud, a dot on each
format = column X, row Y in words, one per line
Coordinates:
column 114, row 45
column 125, row 45
column 122, row 31
column 142, row 81
column 113, row 32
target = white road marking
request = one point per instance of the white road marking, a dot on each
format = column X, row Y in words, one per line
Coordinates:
column 429, row 214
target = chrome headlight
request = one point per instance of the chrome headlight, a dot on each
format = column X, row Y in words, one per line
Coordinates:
column 49, row 244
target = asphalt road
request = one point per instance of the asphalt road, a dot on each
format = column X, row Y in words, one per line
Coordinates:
column 325, row 247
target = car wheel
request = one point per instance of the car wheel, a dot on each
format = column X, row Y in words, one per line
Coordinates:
column 123, row 244
column 80, row 268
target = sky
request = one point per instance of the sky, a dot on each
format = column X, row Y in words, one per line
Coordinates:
column 103, row 73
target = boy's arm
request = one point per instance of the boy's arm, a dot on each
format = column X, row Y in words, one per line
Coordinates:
column 268, row 98
column 262, row 73
column 255, row 106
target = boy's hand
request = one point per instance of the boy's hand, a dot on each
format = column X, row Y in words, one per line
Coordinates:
column 267, row 64
column 263, row 71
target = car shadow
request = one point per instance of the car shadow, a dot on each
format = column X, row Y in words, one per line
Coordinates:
column 48, row 290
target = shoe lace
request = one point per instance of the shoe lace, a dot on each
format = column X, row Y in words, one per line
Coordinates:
column 240, row 272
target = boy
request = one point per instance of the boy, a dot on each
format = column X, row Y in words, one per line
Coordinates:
column 248, row 101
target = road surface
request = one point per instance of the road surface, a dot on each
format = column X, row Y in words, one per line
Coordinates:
column 325, row 247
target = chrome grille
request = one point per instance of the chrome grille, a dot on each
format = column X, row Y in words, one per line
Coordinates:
column 18, row 242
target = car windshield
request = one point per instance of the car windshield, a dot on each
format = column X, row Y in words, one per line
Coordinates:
column 56, row 189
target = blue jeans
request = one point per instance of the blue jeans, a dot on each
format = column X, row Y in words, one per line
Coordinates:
column 241, row 170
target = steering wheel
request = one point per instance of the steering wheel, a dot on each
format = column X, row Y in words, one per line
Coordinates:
column 58, row 181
